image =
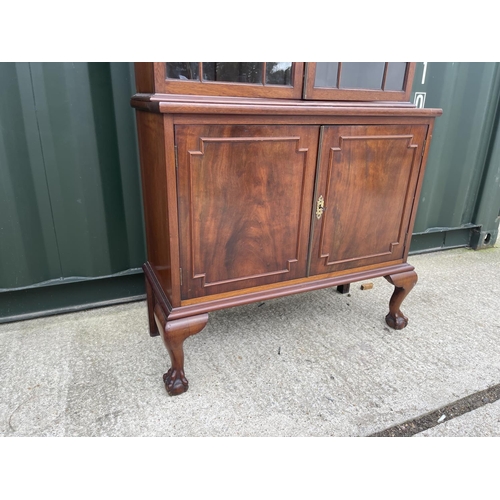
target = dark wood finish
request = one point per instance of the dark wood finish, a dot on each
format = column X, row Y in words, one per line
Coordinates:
column 367, row 178
column 343, row 289
column 330, row 110
column 150, row 299
column 156, row 148
column 231, row 188
column 332, row 94
column 144, row 77
column 243, row 222
column 403, row 284
column 194, row 87
column 139, row 100
column 152, row 153
column 151, row 78
column 266, row 292
column 173, row 334
column 416, row 195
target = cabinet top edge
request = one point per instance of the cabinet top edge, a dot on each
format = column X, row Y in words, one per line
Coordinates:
column 158, row 97
column 183, row 104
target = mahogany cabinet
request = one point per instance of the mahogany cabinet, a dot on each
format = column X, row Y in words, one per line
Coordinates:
column 256, row 185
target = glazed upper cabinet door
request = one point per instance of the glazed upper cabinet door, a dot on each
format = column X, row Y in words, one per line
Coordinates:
column 239, row 79
column 359, row 81
column 367, row 180
column 245, row 197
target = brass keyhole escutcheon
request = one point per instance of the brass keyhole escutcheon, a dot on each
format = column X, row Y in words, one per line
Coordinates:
column 320, row 207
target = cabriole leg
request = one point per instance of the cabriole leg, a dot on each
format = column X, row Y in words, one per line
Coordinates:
column 403, row 284
column 173, row 334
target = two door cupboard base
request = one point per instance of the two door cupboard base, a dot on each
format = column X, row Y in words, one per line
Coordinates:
column 254, row 191
column 177, row 324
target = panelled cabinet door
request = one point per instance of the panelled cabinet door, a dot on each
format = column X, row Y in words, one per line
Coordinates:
column 245, row 197
column 366, row 187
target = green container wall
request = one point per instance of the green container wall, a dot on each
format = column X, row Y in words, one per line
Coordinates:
column 28, row 245
column 71, row 220
column 460, row 199
column 70, row 199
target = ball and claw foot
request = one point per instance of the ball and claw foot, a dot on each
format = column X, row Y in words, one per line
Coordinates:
column 175, row 382
column 403, row 283
column 174, row 333
column 398, row 322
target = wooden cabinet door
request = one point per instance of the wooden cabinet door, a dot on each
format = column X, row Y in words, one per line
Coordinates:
column 367, row 178
column 238, row 79
column 359, row 81
column 245, row 197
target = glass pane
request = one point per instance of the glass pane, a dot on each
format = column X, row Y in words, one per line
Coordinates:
column 279, row 73
column 208, row 71
column 241, row 72
column 326, row 74
column 362, row 75
column 183, row 70
column 395, row 76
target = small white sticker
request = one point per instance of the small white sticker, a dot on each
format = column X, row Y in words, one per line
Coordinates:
column 424, row 73
column 419, row 99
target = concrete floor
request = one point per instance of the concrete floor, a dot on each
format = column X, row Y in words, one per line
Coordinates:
column 315, row 364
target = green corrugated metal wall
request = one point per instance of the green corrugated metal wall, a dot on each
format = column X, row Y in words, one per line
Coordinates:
column 70, row 202
column 460, row 199
column 71, row 230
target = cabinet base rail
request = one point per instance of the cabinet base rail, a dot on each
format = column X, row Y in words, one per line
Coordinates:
column 176, row 324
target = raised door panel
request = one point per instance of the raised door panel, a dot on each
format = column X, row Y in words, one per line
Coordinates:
column 245, row 198
column 367, row 178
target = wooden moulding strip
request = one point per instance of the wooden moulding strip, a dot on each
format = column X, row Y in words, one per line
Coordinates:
column 251, row 109
column 288, row 283
column 268, row 102
column 158, row 292
column 271, row 293
column 145, row 105
column 165, row 103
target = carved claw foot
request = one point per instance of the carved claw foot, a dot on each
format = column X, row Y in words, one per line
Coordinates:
column 173, row 333
column 397, row 322
column 403, row 283
column 175, row 382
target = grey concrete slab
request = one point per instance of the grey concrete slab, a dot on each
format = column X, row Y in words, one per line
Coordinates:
column 314, row 364
column 483, row 422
